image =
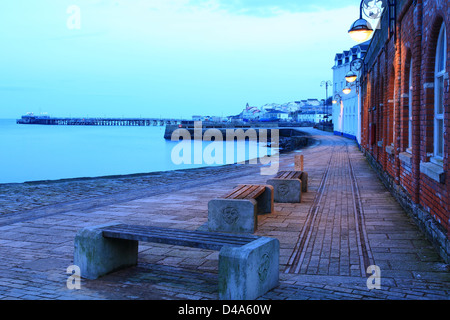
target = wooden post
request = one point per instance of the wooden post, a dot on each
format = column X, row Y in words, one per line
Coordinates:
column 299, row 163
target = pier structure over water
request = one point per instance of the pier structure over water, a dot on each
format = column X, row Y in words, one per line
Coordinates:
column 45, row 120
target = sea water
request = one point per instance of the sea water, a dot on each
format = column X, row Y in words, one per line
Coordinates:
column 51, row 152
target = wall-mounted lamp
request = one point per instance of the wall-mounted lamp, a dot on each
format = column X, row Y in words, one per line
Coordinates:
column 337, row 99
column 361, row 30
column 351, row 77
column 348, row 88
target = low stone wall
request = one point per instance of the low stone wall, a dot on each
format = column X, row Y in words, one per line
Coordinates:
column 29, row 196
column 434, row 232
column 24, row 197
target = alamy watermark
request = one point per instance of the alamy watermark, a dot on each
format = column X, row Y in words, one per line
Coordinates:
column 373, row 9
column 74, row 280
column 74, row 19
column 189, row 149
column 374, row 280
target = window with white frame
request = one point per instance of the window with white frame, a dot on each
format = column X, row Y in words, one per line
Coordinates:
column 410, row 102
column 440, row 62
column 393, row 117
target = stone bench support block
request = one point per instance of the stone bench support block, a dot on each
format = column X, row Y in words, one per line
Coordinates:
column 304, row 181
column 239, row 215
column 247, row 272
column 265, row 201
column 97, row 256
column 286, row 190
column 232, row 215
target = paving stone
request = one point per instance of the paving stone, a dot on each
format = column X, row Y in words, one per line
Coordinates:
column 326, row 244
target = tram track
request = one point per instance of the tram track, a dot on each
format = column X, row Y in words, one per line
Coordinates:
column 316, row 229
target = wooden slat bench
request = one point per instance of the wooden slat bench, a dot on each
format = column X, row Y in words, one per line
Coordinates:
column 248, row 265
column 237, row 211
column 289, row 185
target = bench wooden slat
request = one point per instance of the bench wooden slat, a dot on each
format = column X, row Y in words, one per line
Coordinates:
column 184, row 233
column 293, row 175
column 257, row 191
column 283, row 175
column 236, row 191
column 248, row 192
column 245, row 192
column 235, row 238
column 170, row 240
column 289, row 175
column 196, row 239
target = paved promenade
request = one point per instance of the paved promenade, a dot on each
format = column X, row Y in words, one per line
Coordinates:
column 346, row 222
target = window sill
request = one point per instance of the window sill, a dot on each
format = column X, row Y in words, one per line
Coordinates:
column 433, row 170
column 405, row 158
column 437, row 161
column 390, row 150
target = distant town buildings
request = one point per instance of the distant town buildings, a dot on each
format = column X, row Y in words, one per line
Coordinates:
column 310, row 110
column 251, row 113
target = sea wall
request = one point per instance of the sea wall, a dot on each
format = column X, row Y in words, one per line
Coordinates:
column 54, row 196
column 290, row 139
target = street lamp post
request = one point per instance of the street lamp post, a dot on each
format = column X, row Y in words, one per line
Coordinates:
column 326, row 84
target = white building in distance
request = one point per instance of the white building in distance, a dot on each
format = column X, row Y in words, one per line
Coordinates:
column 346, row 113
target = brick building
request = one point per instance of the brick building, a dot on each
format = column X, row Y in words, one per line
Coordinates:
column 405, row 116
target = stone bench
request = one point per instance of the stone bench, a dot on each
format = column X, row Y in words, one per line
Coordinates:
column 289, row 185
column 237, row 211
column 248, row 265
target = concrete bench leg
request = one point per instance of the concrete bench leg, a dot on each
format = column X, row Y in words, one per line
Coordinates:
column 304, row 181
column 246, row 273
column 231, row 215
column 97, row 256
column 265, row 201
column 286, row 190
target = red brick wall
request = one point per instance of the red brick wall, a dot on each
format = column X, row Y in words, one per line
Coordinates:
column 388, row 65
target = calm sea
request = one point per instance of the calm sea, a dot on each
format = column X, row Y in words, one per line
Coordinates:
column 40, row 152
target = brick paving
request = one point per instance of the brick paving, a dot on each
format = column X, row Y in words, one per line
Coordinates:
column 346, row 222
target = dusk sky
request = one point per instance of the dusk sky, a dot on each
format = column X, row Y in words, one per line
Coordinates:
column 166, row 58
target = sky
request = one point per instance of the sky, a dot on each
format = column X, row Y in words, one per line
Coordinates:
column 166, row 58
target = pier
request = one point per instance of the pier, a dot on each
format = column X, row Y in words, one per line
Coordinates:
column 146, row 122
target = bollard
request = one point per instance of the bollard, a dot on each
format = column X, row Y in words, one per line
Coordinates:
column 299, row 163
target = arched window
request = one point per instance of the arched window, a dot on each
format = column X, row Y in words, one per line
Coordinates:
column 440, row 63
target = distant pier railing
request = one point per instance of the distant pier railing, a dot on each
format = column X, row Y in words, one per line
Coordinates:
column 43, row 120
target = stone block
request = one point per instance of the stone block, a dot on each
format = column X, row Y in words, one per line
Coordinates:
column 265, row 201
column 304, row 180
column 247, row 272
column 286, row 190
column 232, row 215
column 97, row 256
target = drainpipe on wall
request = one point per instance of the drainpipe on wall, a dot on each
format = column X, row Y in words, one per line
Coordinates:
column 418, row 89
